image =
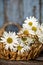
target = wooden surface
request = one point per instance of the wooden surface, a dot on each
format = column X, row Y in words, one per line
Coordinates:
column 18, row 10
column 3, row 62
column 37, row 61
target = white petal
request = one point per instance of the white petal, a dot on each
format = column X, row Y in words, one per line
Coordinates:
column 6, row 47
column 5, row 33
column 21, row 44
column 22, row 50
column 3, row 39
column 11, row 47
column 14, row 49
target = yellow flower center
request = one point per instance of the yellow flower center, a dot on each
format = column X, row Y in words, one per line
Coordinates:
column 26, row 32
column 9, row 40
column 19, row 47
column 34, row 28
column 24, row 39
column 30, row 23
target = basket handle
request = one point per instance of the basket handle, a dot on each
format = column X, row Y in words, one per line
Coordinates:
column 17, row 26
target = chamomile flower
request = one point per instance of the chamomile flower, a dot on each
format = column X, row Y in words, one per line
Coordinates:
column 26, row 40
column 31, row 25
column 26, row 26
column 9, row 39
column 41, row 27
column 40, row 33
column 21, row 48
column 31, row 21
column 23, row 31
column 41, row 38
column 34, row 30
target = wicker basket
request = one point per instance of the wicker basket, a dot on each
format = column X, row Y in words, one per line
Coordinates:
column 36, row 48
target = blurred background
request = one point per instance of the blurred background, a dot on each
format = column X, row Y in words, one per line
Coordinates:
column 18, row 10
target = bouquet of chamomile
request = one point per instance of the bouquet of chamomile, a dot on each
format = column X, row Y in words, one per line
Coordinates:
column 26, row 44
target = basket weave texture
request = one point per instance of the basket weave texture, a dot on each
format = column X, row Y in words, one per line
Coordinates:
column 36, row 48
